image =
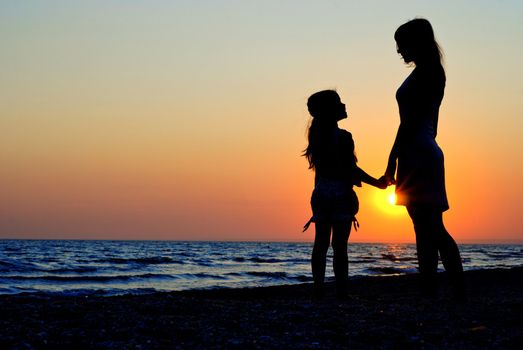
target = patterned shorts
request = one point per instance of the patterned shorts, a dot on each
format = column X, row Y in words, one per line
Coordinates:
column 333, row 201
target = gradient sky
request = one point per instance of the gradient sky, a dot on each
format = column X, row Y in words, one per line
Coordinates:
column 186, row 119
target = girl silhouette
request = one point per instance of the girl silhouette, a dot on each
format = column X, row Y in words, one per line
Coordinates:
column 330, row 154
column 420, row 176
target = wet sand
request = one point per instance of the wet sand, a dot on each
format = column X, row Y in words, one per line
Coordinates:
column 379, row 313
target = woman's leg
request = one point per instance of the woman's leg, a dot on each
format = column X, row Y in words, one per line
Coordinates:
column 426, row 246
column 319, row 255
column 450, row 257
column 340, row 237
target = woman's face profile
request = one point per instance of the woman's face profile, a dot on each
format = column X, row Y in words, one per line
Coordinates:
column 405, row 52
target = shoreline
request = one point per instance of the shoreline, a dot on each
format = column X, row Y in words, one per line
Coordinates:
column 380, row 312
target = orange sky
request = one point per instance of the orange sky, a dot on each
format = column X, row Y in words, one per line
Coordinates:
column 187, row 121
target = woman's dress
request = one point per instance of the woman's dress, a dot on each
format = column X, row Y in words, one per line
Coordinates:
column 420, row 179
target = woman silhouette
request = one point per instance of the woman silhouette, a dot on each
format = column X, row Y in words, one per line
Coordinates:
column 420, row 177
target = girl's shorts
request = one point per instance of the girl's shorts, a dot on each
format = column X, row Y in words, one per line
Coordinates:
column 333, row 201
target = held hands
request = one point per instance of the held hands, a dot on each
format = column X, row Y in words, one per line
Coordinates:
column 389, row 179
column 389, row 173
column 382, row 183
column 385, row 181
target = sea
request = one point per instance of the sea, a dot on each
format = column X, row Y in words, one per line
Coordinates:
column 75, row 267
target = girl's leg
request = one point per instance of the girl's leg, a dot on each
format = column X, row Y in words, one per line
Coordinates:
column 450, row 257
column 319, row 255
column 426, row 246
column 340, row 237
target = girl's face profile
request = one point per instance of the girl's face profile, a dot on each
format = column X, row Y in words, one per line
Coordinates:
column 340, row 108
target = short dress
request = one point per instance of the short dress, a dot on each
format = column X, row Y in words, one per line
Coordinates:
column 420, row 178
column 333, row 198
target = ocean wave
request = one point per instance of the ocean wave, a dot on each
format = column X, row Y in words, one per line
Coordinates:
column 78, row 269
column 507, row 255
column 11, row 249
column 14, row 265
column 388, row 270
column 268, row 260
column 202, row 262
column 303, row 278
column 364, row 261
column 6, row 264
column 102, row 278
column 392, row 257
column 200, row 276
column 32, row 267
column 276, row 275
column 146, row 261
column 105, row 292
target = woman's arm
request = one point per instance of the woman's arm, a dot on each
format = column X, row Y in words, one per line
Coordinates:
column 393, row 157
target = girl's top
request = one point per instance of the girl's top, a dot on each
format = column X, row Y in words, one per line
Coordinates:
column 333, row 198
column 336, row 159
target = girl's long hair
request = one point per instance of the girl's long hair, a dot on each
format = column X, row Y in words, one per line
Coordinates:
column 320, row 135
column 319, row 138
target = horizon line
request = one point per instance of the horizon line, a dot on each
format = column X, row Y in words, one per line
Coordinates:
column 471, row 241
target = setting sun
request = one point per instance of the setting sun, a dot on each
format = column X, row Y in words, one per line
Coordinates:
column 385, row 200
column 392, row 199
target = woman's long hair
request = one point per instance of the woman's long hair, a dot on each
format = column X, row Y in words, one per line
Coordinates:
column 418, row 35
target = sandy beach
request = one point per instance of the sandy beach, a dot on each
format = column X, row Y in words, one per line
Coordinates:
column 379, row 313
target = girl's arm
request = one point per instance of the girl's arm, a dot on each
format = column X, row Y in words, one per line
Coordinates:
column 364, row 177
